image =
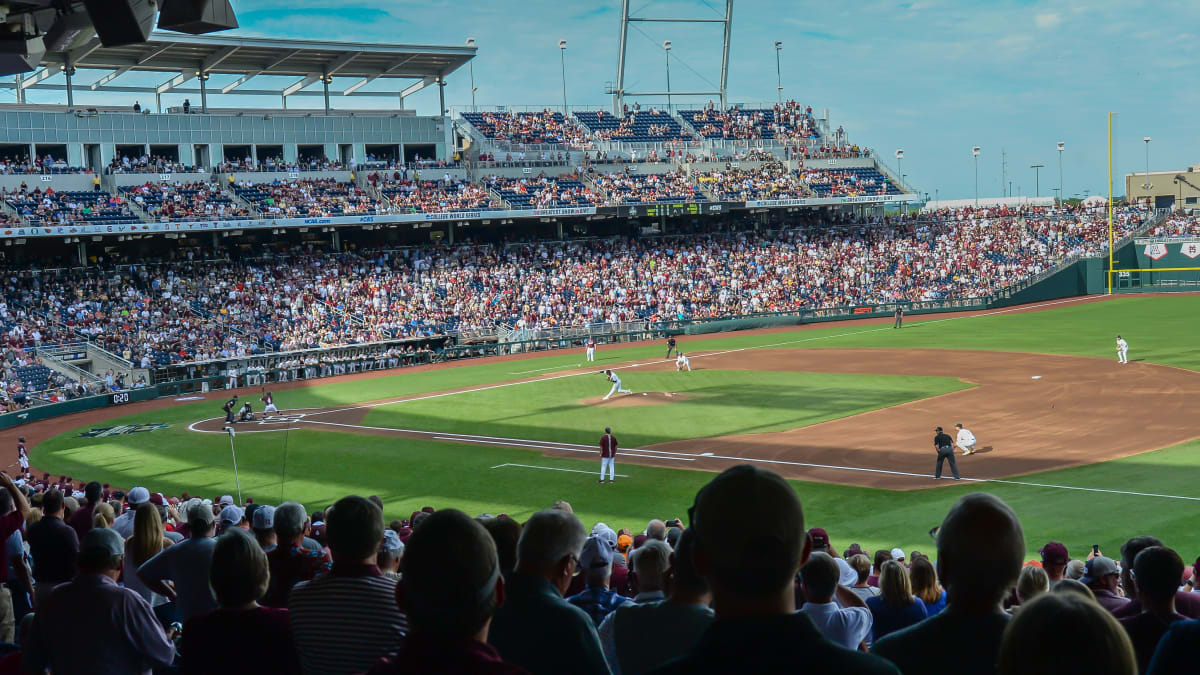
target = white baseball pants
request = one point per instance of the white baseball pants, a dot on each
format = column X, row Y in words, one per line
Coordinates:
column 608, row 464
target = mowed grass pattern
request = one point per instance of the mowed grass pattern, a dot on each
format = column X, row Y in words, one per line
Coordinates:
column 321, row 466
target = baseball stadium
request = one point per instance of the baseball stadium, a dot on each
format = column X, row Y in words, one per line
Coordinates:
column 675, row 338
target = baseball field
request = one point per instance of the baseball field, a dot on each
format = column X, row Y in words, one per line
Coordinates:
column 1085, row 449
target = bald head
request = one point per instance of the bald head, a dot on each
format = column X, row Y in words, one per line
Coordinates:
column 980, row 550
column 656, row 529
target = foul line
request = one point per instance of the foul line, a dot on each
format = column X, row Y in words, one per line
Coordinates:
column 554, row 468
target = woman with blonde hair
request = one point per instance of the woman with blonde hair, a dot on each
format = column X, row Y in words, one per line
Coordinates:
column 103, row 516
column 1065, row 634
column 926, row 587
column 1032, row 583
column 895, row 607
column 147, row 540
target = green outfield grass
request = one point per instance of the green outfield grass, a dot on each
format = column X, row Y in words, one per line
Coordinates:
column 321, row 466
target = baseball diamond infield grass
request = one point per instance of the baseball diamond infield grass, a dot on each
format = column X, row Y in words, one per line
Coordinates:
column 408, row 474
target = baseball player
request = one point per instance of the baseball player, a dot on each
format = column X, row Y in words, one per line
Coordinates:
column 268, row 403
column 229, row 408
column 1122, row 350
column 247, row 414
column 616, row 385
column 591, row 349
column 671, row 346
column 608, row 455
column 965, row 440
column 945, row 451
column 682, row 362
column 231, row 379
column 23, row 457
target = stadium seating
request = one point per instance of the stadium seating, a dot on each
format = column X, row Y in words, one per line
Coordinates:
column 644, row 126
column 636, row 188
column 65, row 208
column 543, row 192
column 432, row 196
column 849, row 182
column 771, row 180
column 527, row 128
column 171, row 202
column 307, row 197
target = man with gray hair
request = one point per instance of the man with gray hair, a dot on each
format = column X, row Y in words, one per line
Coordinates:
column 186, row 565
column 981, row 548
column 650, row 563
column 656, row 529
column 536, row 628
column 391, row 554
column 290, row 561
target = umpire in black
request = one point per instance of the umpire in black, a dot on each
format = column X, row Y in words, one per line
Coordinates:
column 899, row 315
column 945, row 450
column 231, row 406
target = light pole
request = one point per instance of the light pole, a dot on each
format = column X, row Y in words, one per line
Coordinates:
column 667, row 49
column 1061, row 146
column 975, row 154
column 778, row 72
column 1037, row 178
column 562, row 57
column 900, row 166
column 1146, row 186
column 471, row 67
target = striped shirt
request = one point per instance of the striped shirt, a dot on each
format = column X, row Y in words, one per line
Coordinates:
column 345, row 621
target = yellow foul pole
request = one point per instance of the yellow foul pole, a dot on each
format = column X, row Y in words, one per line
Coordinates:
column 1110, row 205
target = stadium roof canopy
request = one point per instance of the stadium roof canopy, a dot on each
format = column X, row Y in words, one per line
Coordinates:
column 197, row 57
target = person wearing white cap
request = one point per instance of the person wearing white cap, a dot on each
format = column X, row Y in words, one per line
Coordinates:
column 122, row 634
column 232, row 516
column 596, row 564
column 124, row 522
column 898, row 555
column 263, row 524
column 186, row 565
column 391, row 553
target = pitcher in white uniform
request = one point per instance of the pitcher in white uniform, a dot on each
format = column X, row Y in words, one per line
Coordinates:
column 1122, row 350
column 616, row 385
column 965, row 440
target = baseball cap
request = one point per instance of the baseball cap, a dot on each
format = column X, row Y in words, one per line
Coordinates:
column 1054, row 553
column 897, row 554
column 820, row 538
column 156, row 499
column 1097, row 568
column 232, row 515
column 854, row 550
column 102, row 539
column 392, row 543
column 596, row 553
column 139, row 496
column 608, row 536
column 748, row 518
column 264, row 517
column 226, row 500
column 624, row 542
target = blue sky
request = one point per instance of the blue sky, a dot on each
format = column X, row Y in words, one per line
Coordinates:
column 931, row 76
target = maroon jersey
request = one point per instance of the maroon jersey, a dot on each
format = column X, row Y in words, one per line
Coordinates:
column 608, row 446
column 267, row 399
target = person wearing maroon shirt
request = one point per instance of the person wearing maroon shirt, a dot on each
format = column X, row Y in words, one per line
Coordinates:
column 239, row 577
column 81, row 520
column 290, row 562
column 451, row 587
column 608, row 455
column 1156, row 572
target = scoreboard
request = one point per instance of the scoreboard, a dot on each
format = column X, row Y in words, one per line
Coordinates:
column 673, row 209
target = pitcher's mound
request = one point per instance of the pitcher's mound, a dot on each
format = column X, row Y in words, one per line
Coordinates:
column 640, row 398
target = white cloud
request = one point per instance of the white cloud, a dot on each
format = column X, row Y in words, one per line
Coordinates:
column 1047, row 20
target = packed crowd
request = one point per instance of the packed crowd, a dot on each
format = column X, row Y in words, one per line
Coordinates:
column 184, row 202
column 529, row 128
column 300, row 298
column 637, row 188
column 787, row 122
column 770, row 180
column 48, row 206
column 431, row 195
column 848, row 182
column 543, row 191
column 277, row 163
column 24, row 164
column 148, row 164
column 305, row 197
column 745, row 585
column 1177, row 225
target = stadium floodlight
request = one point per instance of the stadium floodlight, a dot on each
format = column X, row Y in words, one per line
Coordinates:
column 1146, row 185
column 667, row 50
column 778, row 72
column 899, row 165
column 1037, row 183
column 1061, row 146
column 471, row 68
column 975, row 154
column 562, row 57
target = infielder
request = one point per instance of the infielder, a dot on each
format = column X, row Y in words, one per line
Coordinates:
column 682, row 362
column 591, row 349
column 965, row 440
column 268, row 403
column 1122, row 350
column 608, row 455
column 616, row 385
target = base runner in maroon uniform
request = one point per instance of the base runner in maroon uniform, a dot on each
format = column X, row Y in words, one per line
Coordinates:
column 608, row 455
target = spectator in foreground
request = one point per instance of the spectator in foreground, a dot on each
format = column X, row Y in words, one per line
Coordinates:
column 239, row 577
column 82, row 518
column 451, row 588
column 505, row 532
column 291, row 561
column 639, row 637
column 1186, row 603
column 391, row 554
column 846, row 622
column 750, row 544
column 1054, row 560
column 1176, row 653
column 148, row 540
column 895, row 607
column 54, row 547
column 120, row 634
column 980, row 550
column 186, row 565
column 1156, row 572
column 8, row 617
column 1031, row 583
column 536, row 628
column 926, row 587
column 263, row 525
column 861, row 565
column 1065, row 634
column 346, row 620
column 597, row 599
column 1104, row 578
